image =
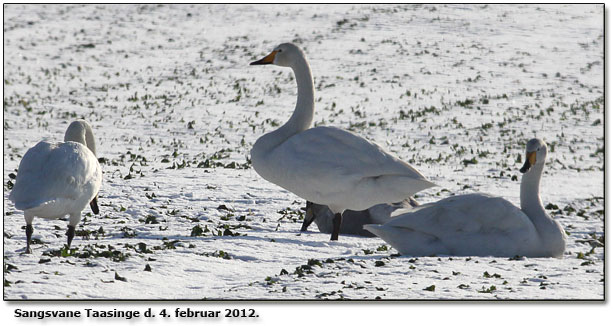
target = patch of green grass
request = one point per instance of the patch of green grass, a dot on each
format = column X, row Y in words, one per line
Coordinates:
column 314, row 262
column 471, row 161
column 199, row 231
column 128, row 232
column 218, row 254
column 90, row 251
column 488, row 275
column 383, row 248
column 151, row 219
column 487, row 290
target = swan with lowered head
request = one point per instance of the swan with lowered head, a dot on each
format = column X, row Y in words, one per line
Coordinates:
column 353, row 221
column 327, row 165
column 58, row 179
column 479, row 224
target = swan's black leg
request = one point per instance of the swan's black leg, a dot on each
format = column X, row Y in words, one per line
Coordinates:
column 94, row 205
column 336, row 223
column 70, row 234
column 309, row 217
column 29, row 231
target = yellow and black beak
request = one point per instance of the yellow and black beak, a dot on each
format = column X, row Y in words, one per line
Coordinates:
column 265, row 60
column 530, row 161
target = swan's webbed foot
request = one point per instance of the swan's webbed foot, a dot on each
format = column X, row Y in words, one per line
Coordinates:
column 70, row 234
column 336, row 223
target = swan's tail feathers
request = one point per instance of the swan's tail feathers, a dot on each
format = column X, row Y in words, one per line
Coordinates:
column 410, row 242
column 33, row 204
column 374, row 229
column 395, row 237
column 427, row 184
column 391, row 235
column 398, row 188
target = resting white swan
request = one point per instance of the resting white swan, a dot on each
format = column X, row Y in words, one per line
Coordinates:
column 353, row 221
column 58, row 179
column 481, row 225
column 327, row 165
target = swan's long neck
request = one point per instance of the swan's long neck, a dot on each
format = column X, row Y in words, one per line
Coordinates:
column 530, row 192
column 81, row 132
column 89, row 138
column 302, row 117
column 548, row 229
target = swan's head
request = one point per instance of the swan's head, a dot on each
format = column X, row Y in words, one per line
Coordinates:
column 80, row 131
column 284, row 55
column 536, row 153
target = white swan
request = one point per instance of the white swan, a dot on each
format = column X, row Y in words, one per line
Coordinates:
column 327, row 165
column 353, row 221
column 479, row 224
column 58, row 179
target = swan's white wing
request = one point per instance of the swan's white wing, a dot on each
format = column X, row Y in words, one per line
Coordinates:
column 329, row 161
column 56, row 172
column 471, row 213
column 342, row 151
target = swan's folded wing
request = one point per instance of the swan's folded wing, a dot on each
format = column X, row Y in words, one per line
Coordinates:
column 326, row 151
column 464, row 214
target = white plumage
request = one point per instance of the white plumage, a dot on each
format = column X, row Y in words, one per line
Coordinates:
column 480, row 224
column 58, row 179
column 327, row 165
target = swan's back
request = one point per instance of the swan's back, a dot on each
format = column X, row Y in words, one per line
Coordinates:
column 55, row 179
column 473, row 224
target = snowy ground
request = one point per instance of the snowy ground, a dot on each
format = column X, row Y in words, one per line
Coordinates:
column 455, row 90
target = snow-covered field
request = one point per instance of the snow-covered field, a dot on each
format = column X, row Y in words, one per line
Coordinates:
column 454, row 90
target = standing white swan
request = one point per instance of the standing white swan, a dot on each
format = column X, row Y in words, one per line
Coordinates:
column 327, row 165
column 479, row 224
column 58, row 179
